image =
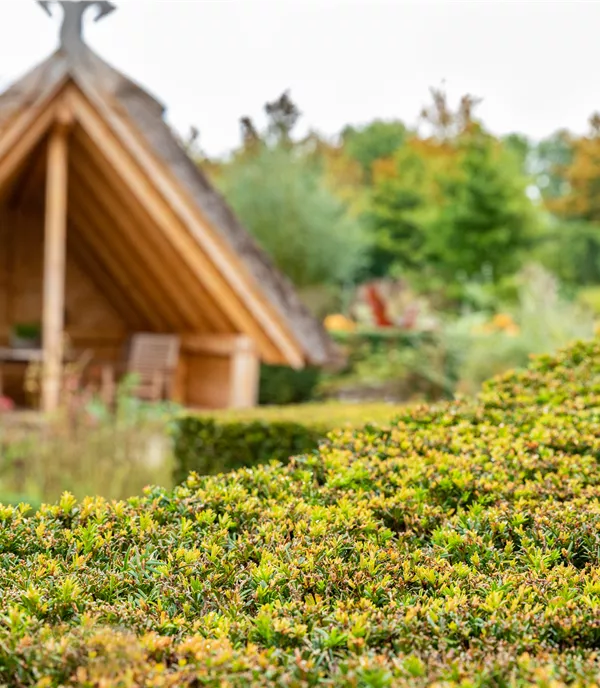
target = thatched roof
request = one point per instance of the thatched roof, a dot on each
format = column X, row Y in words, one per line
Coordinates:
column 94, row 77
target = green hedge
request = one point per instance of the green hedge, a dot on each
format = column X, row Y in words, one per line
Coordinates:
column 458, row 548
column 208, row 446
column 227, row 440
column 281, row 385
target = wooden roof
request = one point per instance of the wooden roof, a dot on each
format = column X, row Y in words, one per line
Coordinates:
column 112, row 110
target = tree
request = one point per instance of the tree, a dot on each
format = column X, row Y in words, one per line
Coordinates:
column 404, row 197
column 576, row 202
column 454, row 202
column 549, row 161
column 522, row 148
column 282, row 116
column 377, row 140
column 486, row 219
column 283, row 193
column 282, row 200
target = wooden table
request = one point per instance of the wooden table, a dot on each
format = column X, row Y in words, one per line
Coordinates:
column 19, row 356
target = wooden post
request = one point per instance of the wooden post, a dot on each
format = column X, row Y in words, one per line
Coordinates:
column 55, row 235
column 245, row 374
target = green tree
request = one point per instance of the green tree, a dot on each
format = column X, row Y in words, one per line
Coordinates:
column 453, row 203
column 522, row 147
column 549, row 161
column 307, row 230
column 486, row 218
column 402, row 203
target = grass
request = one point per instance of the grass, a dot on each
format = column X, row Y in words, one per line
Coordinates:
column 85, row 449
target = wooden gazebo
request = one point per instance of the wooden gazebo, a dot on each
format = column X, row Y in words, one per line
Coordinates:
column 108, row 229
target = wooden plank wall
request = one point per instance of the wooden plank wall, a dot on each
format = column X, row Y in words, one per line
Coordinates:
column 208, row 380
column 92, row 323
column 205, row 373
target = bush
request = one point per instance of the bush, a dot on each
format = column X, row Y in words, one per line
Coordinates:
column 228, row 440
column 280, row 385
column 542, row 322
column 392, row 364
column 208, row 446
column 458, row 547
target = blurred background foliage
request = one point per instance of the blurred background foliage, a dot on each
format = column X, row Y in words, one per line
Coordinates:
column 437, row 254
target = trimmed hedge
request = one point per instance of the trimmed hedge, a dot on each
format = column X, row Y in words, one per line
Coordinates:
column 208, row 446
column 283, row 385
column 459, row 547
column 230, row 440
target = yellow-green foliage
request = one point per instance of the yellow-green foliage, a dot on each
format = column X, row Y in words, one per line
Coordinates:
column 332, row 414
column 460, row 547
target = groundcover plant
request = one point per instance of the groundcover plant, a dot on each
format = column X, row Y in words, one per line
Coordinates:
column 458, row 546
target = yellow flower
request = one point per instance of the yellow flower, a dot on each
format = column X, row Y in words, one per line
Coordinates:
column 339, row 323
column 503, row 321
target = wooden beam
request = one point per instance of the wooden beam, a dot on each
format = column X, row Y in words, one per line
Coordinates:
column 91, row 232
column 213, row 344
column 30, row 179
column 181, row 282
column 221, row 273
column 245, row 375
column 9, row 232
column 22, row 136
column 122, row 233
column 55, row 241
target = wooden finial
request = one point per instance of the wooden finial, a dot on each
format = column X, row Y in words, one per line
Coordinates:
column 71, row 32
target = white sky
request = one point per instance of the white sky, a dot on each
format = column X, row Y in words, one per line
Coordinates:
column 534, row 63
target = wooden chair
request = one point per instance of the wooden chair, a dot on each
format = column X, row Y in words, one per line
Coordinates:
column 152, row 359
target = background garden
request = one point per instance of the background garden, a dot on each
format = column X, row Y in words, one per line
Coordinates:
column 437, row 255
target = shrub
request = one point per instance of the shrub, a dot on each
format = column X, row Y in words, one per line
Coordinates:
column 227, row 440
column 208, row 446
column 281, row 385
column 459, row 546
column 542, row 322
column 392, row 364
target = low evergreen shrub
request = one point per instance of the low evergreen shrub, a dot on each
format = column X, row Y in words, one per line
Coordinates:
column 281, row 385
column 228, row 440
column 457, row 547
column 208, row 446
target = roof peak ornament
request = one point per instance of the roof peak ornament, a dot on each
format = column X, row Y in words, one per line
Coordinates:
column 71, row 32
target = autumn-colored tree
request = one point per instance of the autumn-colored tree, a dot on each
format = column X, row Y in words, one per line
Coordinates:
column 342, row 175
column 374, row 141
column 581, row 199
column 576, row 203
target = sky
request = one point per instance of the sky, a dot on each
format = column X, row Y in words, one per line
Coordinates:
column 534, row 63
